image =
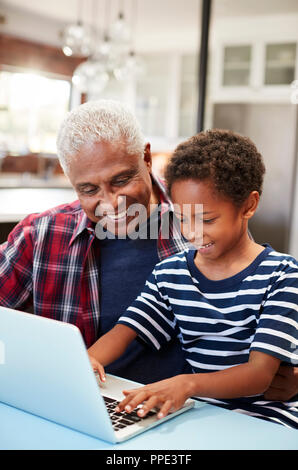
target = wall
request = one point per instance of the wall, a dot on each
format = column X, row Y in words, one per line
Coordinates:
column 23, row 53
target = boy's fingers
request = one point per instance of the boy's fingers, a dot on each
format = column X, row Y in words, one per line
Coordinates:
column 97, row 367
column 129, row 403
column 165, row 409
column 132, row 390
column 102, row 374
column 123, row 403
column 148, row 405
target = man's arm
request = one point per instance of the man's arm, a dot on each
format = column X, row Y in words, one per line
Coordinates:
column 16, row 261
column 284, row 385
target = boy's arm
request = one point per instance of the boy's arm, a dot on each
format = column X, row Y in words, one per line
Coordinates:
column 251, row 378
column 110, row 346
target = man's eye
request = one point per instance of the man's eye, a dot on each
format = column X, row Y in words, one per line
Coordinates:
column 89, row 191
column 122, row 181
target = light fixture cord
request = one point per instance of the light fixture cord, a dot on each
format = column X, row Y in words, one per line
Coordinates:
column 80, row 12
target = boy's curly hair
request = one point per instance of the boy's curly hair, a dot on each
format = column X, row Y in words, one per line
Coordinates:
column 229, row 160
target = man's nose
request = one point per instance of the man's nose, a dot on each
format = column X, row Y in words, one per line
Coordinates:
column 111, row 203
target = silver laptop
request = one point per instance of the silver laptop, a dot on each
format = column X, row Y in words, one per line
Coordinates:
column 45, row 370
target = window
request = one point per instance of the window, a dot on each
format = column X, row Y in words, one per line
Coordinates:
column 188, row 96
column 32, row 107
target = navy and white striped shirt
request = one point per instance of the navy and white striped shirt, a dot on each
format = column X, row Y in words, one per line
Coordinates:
column 220, row 322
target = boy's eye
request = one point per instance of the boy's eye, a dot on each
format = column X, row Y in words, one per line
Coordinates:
column 208, row 221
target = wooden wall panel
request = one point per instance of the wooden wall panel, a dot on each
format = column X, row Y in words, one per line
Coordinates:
column 22, row 53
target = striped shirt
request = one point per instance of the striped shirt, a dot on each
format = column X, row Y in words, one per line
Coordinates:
column 50, row 263
column 220, row 322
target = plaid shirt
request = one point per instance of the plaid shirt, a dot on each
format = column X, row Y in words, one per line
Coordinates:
column 50, row 261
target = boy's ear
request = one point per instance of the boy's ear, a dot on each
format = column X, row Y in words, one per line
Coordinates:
column 250, row 205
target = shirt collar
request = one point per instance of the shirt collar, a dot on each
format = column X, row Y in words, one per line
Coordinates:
column 166, row 203
column 83, row 224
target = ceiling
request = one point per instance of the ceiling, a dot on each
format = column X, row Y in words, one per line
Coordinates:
column 181, row 10
column 155, row 19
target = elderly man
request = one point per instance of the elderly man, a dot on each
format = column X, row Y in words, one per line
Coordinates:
column 85, row 262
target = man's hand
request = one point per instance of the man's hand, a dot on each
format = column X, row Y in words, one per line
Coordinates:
column 167, row 395
column 284, row 385
column 97, row 367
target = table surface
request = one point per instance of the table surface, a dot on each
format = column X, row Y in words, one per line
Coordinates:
column 204, row 427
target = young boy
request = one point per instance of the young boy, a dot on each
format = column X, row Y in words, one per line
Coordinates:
column 232, row 302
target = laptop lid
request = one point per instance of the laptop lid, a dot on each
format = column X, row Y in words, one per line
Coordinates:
column 45, row 370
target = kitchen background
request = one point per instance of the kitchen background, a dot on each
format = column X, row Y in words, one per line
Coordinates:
column 57, row 54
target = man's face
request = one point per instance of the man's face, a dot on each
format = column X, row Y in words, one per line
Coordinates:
column 109, row 181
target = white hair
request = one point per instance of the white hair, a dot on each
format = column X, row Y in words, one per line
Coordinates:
column 95, row 121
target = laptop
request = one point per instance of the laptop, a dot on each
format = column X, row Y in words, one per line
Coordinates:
column 45, row 370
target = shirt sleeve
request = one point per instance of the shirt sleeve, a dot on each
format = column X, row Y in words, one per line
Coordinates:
column 151, row 316
column 16, row 266
column 277, row 330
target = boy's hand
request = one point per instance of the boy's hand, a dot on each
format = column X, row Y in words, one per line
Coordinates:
column 97, row 367
column 167, row 395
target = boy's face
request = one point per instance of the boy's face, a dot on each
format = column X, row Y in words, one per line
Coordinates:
column 223, row 223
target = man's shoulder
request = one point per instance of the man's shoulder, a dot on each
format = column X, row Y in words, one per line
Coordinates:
column 61, row 212
column 63, row 218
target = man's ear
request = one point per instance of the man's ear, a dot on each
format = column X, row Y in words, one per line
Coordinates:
column 251, row 204
column 148, row 156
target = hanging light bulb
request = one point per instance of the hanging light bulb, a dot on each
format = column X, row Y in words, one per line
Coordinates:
column 131, row 68
column 120, row 32
column 77, row 39
column 90, row 77
column 107, row 54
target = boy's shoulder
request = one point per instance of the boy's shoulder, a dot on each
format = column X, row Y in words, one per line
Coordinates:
column 284, row 261
column 176, row 261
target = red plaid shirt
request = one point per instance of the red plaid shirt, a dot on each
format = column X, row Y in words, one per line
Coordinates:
column 51, row 263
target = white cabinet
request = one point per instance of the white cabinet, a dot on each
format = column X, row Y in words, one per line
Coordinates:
column 236, row 66
column 280, row 63
column 254, row 71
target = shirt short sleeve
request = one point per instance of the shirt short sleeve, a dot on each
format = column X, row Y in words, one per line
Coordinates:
column 277, row 329
column 151, row 316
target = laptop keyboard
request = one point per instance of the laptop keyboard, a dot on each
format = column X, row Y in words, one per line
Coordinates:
column 121, row 420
